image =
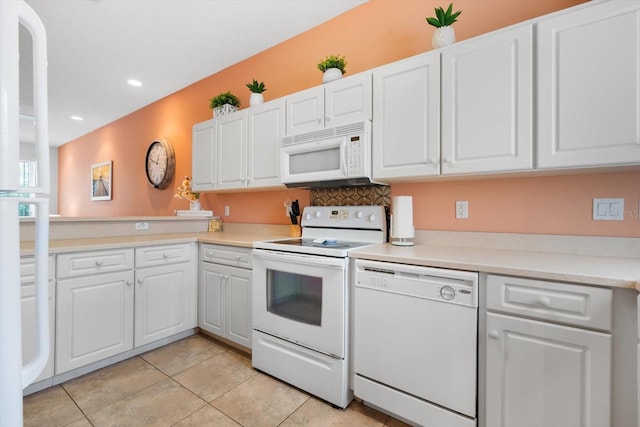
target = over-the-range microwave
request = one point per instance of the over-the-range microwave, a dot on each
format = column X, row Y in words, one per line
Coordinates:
column 332, row 157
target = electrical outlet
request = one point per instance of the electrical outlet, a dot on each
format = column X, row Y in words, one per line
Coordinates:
column 462, row 209
column 142, row 225
column 226, row 211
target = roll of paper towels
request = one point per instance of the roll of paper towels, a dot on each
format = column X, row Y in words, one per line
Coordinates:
column 402, row 219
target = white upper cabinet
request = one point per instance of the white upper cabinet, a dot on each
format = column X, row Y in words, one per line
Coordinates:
column 266, row 128
column 240, row 149
column 342, row 101
column 487, row 102
column 232, row 150
column 204, row 156
column 589, row 86
column 406, row 118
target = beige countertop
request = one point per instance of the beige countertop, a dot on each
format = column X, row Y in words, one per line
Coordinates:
column 241, row 239
column 609, row 271
column 618, row 272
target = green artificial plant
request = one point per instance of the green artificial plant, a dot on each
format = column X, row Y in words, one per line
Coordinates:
column 444, row 18
column 224, row 98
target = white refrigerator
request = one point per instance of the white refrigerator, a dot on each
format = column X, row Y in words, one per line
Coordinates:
column 15, row 14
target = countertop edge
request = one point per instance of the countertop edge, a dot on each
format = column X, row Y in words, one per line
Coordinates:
column 612, row 272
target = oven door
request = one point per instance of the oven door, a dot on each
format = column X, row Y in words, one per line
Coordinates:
column 301, row 298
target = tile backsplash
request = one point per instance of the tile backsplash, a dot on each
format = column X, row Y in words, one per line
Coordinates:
column 379, row 195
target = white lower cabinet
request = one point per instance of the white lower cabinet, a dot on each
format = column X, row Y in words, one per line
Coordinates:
column 29, row 320
column 165, row 292
column 105, row 307
column 165, row 302
column 543, row 374
column 225, row 293
column 94, row 318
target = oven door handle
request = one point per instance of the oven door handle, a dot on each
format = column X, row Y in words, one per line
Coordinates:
column 324, row 261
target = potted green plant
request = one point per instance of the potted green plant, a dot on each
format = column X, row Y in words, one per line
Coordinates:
column 332, row 67
column 224, row 103
column 256, row 92
column 444, row 34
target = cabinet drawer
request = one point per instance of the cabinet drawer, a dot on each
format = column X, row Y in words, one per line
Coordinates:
column 228, row 255
column 28, row 269
column 160, row 255
column 92, row 262
column 570, row 304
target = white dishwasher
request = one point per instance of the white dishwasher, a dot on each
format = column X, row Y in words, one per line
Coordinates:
column 415, row 342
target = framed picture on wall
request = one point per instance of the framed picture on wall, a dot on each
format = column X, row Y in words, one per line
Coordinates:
column 101, row 187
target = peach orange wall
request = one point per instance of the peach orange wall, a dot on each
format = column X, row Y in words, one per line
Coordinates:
column 548, row 204
column 373, row 34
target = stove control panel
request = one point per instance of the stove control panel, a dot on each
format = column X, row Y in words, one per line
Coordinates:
column 367, row 217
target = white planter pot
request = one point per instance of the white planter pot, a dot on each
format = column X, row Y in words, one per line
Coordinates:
column 255, row 99
column 331, row 74
column 443, row 36
column 195, row 206
column 225, row 109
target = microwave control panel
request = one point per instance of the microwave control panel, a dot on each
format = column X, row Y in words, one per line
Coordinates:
column 354, row 155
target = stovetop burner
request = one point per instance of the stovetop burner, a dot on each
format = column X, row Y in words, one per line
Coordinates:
column 334, row 230
column 321, row 243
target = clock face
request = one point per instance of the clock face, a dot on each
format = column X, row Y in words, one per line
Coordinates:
column 160, row 164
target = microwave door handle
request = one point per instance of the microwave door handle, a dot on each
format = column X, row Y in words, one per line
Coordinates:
column 343, row 155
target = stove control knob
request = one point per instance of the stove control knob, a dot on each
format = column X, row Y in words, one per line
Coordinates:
column 318, row 214
column 372, row 217
column 308, row 217
column 359, row 214
column 447, row 292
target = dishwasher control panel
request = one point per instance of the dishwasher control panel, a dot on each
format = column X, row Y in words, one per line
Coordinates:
column 452, row 286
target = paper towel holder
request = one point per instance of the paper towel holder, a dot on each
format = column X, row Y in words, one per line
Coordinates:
column 402, row 230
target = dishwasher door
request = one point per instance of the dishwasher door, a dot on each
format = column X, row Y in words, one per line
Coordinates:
column 416, row 332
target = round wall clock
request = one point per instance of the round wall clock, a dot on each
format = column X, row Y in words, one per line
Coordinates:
column 160, row 164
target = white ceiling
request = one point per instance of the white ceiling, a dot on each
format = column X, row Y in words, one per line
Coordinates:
column 95, row 46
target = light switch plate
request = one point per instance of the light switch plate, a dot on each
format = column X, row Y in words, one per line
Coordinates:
column 608, row 209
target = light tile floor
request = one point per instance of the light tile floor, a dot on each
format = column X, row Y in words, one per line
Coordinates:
column 193, row 382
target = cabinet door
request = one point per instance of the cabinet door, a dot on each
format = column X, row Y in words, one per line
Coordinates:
column 238, row 305
column 487, row 89
column 163, row 303
column 348, row 100
column 589, row 86
column 93, row 319
column 232, row 149
column 204, row 156
column 211, row 309
column 266, row 128
column 541, row 374
column 406, row 111
column 305, row 111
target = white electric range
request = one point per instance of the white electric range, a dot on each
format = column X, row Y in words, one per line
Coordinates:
column 301, row 299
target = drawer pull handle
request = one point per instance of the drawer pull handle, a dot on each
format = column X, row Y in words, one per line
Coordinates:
column 129, row 283
column 165, row 256
column 494, row 334
column 544, row 302
column 140, row 280
column 98, row 263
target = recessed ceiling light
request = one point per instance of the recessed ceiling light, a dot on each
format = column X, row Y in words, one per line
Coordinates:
column 77, row 118
column 135, row 83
